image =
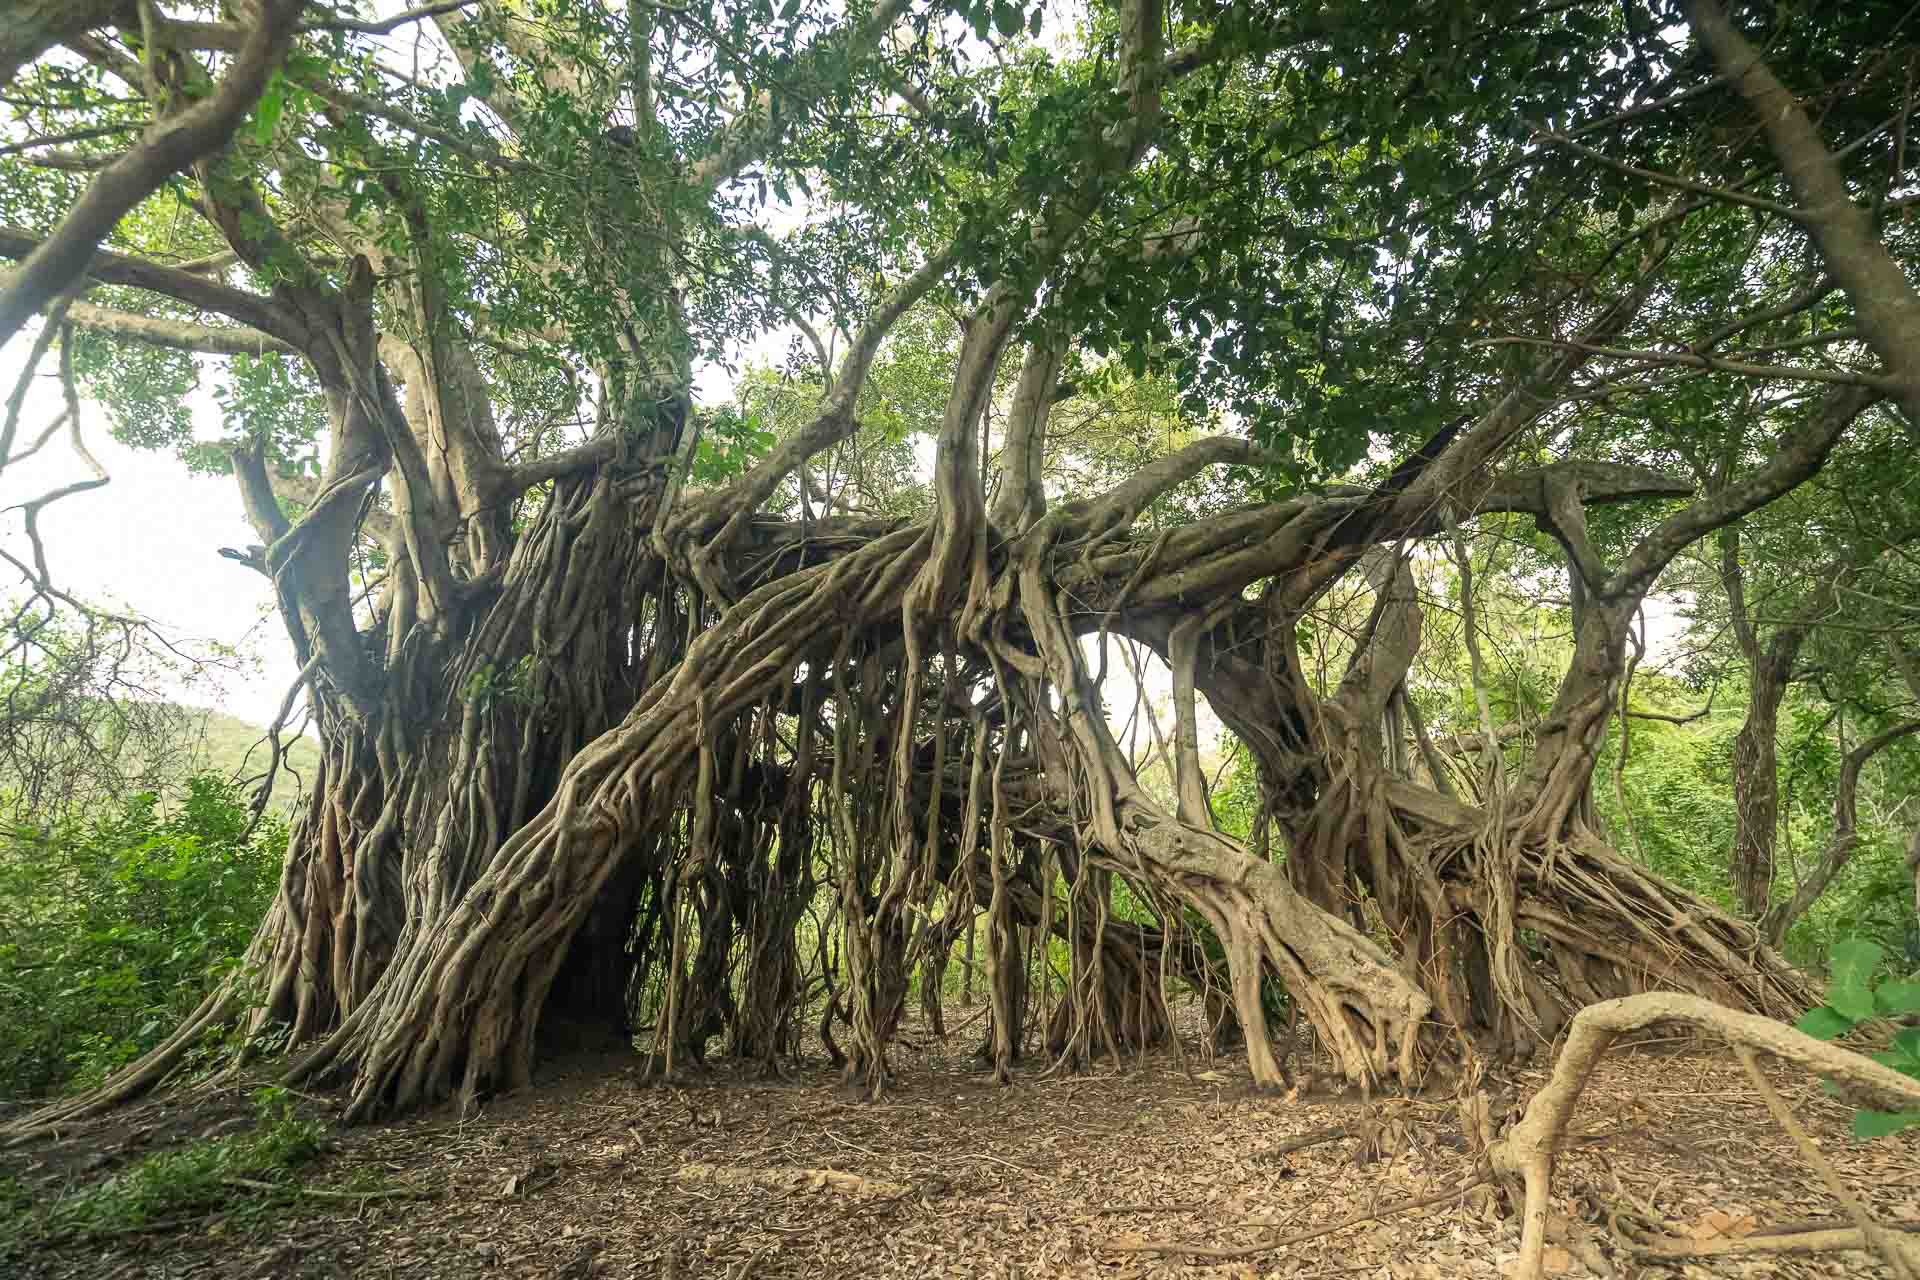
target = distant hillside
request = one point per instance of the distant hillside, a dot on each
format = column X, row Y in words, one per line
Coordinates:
column 222, row 744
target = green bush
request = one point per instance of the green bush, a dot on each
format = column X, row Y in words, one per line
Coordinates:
column 1855, row 995
column 112, row 928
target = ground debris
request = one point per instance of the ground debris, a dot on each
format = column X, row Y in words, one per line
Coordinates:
column 731, row 1176
column 790, row 1179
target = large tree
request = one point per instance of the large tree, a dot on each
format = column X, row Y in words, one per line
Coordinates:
column 614, row 685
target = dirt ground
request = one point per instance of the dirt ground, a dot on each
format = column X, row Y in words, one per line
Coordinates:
column 598, row 1172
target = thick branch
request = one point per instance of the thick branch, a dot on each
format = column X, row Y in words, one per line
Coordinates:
column 34, row 26
column 174, row 143
column 1021, row 497
column 835, row 418
column 1887, row 307
column 186, row 286
column 1800, row 452
column 180, row 335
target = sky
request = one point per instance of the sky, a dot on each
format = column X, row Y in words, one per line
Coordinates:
column 148, row 542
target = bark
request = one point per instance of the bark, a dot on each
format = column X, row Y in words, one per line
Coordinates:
column 1756, row 777
column 1756, row 790
column 35, row 26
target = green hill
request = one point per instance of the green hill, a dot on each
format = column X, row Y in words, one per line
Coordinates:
column 223, row 744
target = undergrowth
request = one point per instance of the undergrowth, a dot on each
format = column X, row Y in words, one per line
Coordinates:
column 244, row 1175
column 1856, row 995
column 117, row 925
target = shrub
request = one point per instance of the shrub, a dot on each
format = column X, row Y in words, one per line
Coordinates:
column 1853, row 997
column 112, row 928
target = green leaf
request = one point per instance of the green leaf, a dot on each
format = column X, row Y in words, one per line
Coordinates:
column 1007, row 20
column 1853, row 962
column 1823, row 1023
column 1854, row 1002
column 1905, row 1053
column 266, row 115
column 1878, row 1124
column 1898, row 997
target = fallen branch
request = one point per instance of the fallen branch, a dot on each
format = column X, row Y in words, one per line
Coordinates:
column 1224, row 1253
column 324, row 1193
column 1823, row 1240
column 1312, row 1138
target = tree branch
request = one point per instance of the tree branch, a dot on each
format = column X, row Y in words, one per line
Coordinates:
column 251, row 309
column 1798, row 454
column 180, row 335
column 1888, row 308
column 173, row 144
column 1842, row 841
column 35, row 26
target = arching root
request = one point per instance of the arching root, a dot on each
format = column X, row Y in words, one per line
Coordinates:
column 1527, row 1151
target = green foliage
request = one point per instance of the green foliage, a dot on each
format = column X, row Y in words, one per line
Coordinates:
column 118, row 924
column 1853, row 998
column 187, row 1181
column 1236, row 798
column 490, row 685
column 730, row 443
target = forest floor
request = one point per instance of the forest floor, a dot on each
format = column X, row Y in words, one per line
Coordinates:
column 1160, row 1168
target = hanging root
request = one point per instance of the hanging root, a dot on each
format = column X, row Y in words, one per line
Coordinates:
column 1527, row 1150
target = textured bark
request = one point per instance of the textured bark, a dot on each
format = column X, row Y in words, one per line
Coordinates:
column 1756, row 793
column 34, row 26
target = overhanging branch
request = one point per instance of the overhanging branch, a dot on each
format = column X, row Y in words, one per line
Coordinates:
column 174, row 143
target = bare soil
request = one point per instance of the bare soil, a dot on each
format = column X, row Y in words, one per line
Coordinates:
column 601, row 1172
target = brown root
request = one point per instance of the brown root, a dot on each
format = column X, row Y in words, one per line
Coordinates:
column 1527, row 1150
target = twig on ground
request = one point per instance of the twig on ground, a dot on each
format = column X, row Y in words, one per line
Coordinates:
column 1311, row 1139
column 1824, row 1240
column 1228, row 1252
column 326, row 1193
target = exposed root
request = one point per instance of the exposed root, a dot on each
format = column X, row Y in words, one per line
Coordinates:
column 1527, row 1150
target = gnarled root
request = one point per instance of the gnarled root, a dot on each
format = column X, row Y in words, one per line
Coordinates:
column 1527, row 1150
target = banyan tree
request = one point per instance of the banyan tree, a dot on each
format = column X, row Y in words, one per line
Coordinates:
column 629, row 690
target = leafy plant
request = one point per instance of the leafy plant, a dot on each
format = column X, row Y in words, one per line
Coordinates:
column 1853, row 997
column 117, row 925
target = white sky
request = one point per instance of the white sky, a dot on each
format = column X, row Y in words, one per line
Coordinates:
column 147, row 542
